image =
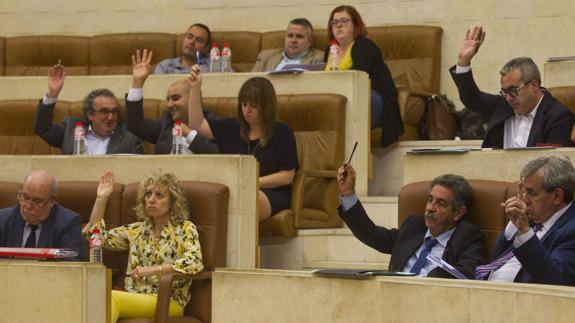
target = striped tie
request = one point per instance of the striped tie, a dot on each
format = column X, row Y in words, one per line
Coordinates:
column 481, row 272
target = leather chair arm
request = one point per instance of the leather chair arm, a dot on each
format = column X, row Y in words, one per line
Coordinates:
column 165, row 292
column 319, row 173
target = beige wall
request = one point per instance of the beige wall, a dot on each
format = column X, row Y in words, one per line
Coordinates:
column 536, row 28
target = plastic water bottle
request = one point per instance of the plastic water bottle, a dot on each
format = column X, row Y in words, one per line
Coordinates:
column 215, row 63
column 79, row 139
column 333, row 52
column 226, row 58
column 96, row 242
column 177, row 148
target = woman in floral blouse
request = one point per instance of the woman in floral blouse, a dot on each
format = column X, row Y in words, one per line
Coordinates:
column 164, row 241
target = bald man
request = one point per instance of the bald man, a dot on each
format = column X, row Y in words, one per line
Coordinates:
column 38, row 221
column 159, row 132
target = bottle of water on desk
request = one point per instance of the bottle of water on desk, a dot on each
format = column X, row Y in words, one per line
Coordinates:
column 79, row 139
column 333, row 53
column 215, row 63
column 177, row 147
column 96, row 242
column 226, row 58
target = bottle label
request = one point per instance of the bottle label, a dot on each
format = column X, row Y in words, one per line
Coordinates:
column 96, row 242
column 79, row 131
column 176, row 131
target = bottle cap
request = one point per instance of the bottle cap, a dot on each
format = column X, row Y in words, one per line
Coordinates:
column 178, row 123
column 79, row 124
column 334, row 42
column 95, row 231
column 226, row 45
column 214, row 44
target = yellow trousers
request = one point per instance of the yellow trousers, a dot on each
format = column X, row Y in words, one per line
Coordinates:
column 132, row 305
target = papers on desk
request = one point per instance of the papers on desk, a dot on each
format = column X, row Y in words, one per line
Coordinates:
column 445, row 266
column 443, row 150
column 561, row 58
column 358, row 273
column 38, row 253
column 299, row 68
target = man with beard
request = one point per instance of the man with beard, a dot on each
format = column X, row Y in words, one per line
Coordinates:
column 195, row 50
column 524, row 114
column 159, row 132
column 538, row 244
column 104, row 134
column 442, row 231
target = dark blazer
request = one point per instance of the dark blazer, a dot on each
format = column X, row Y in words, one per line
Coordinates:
column 61, row 135
column 550, row 260
column 465, row 249
column 367, row 57
column 552, row 124
column 159, row 132
column 62, row 229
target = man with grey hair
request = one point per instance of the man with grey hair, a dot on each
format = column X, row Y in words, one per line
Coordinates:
column 442, row 231
column 538, row 244
column 104, row 134
column 524, row 114
column 38, row 221
column 297, row 49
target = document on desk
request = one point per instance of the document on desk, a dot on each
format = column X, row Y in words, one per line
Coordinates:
column 443, row 150
column 358, row 273
column 446, row 266
column 37, row 253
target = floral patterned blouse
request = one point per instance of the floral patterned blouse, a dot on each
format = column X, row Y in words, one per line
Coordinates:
column 178, row 245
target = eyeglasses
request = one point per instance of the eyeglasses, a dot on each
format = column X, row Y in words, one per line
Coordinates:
column 342, row 21
column 513, row 91
column 105, row 111
column 34, row 201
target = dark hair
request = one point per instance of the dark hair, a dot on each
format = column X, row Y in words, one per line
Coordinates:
column 260, row 92
column 458, row 185
column 556, row 172
column 359, row 26
column 525, row 65
column 305, row 24
column 88, row 105
column 207, row 29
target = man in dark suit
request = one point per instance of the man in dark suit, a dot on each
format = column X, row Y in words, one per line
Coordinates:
column 297, row 49
column 104, row 135
column 523, row 114
column 442, row 231
column 159, row 132
column 538, row 244
column 38, row 222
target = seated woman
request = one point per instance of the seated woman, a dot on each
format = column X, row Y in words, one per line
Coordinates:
column 356, row 52
column 255, row 131
column 163, row 241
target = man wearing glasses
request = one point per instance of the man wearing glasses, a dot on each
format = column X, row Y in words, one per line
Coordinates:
column 104, row 135
column 38, row 221
column 524, row 114
column 195, row 50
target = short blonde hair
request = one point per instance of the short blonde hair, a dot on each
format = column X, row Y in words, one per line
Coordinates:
column 179, row 210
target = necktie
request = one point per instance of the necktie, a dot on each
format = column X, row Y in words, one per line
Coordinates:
column 422, row 259
column 481, row 272
column 31, row 241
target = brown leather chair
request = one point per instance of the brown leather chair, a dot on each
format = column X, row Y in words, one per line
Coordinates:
column 565, row 95
column 486, row 211
column 32, row 55
column 2, row 51
column 112, row 53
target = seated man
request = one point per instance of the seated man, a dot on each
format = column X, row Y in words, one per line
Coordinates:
column 524, row 114
column 442, row 231
column 297, row 42
column 104, row 135
column 159, row 132
column 196, row 45
column 538, row 244
column 38, row 221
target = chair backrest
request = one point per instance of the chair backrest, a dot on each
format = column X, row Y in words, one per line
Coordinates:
column 486, row 211
column 32, row 55
column 565, row 95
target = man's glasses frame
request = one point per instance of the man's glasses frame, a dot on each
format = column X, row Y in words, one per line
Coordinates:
column 513, row 91
column 34, row 201
column 105, row 112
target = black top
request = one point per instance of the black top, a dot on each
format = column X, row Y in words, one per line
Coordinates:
column 279, row 154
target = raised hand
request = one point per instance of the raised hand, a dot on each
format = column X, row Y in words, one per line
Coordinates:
column 106, row 185
column 195, row 77
column 346, row 179
column 473, row 40
column 56, row 76
column 516, row 210
column 141, row 67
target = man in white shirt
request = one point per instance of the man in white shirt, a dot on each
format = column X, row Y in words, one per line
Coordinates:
column 524, row 114
column 297, row 49
column 104, row 134
column 538, row 244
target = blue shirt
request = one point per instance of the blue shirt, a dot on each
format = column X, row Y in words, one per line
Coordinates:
column 174, row 66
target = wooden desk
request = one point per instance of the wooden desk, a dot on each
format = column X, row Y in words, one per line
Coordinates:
column 296, row 296
column 41, row 291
